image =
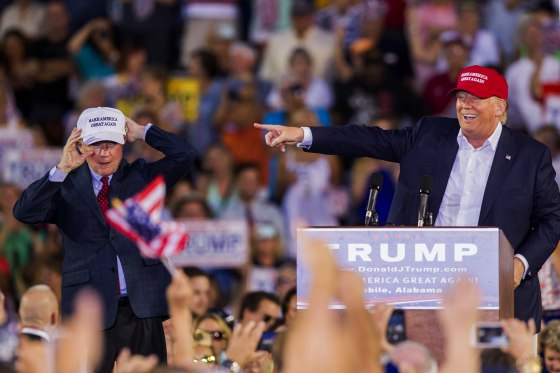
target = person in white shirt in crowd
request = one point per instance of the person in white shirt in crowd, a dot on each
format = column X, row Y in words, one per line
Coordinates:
column 526, row 75
column 303, row 33
column 24, row 15
column 201, row 17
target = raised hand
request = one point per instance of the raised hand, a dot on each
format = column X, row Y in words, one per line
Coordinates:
column 317, row 342
column 358, row 324
column 128, row 363
column 134, row 131
column 81, row 342
column 179, row 291
column 278, row 136
column 178, row 294
column 458, row 315
column 521, row 336
column 244, row 340
column 380, row 315
column 71, row 158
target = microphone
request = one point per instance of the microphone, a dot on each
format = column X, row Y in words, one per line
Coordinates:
column 374, row 186
column 426, row 183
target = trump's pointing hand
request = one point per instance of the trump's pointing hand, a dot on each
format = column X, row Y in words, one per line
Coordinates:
column 278, row 136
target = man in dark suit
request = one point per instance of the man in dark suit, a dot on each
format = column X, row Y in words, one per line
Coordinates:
column 75, row 195
column 484, row 173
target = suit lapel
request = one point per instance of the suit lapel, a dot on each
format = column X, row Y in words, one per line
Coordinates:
column 115, row 187
column 83, row 186
column 503, row 159
column 447, row 152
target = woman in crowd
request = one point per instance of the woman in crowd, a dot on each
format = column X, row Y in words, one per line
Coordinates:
column 550, row 346
column 211, row 326
column 314, row 91
column 94, row 50
column 216, row 182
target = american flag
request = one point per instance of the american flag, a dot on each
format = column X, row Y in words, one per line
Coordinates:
column 139, row 219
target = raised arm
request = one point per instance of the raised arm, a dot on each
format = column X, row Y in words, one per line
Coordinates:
column 36, row 204
column 179, row 154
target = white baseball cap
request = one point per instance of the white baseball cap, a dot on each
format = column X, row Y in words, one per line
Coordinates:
column 102, row 124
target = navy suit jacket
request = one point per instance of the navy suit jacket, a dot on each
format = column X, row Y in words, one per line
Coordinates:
column 90, row 245
column 521, row 195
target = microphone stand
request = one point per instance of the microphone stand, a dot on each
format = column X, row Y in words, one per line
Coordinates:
column 374, row 220
column 428, row 220
column 425, row 218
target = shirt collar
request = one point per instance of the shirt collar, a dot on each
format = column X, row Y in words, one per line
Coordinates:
column 97, row 178
column 492, row 141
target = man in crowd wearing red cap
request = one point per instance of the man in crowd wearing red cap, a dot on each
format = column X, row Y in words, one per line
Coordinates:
column 75, row 195
column 484, row 173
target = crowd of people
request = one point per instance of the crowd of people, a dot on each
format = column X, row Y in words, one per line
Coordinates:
column 203, row 72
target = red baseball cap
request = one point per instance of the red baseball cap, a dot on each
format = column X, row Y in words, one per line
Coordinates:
column 482, row 82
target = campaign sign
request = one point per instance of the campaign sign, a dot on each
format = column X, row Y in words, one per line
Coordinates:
column 22, row 167
column 261, row 279
column 15, row 139
column 552, row 110
column 215, row 243
column 186, row 91
column 409, row 267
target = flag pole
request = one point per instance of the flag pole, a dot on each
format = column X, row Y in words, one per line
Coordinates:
column 168, row 263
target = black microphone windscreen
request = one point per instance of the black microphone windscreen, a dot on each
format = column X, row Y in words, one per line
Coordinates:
column 376, row 180
column 426, row 183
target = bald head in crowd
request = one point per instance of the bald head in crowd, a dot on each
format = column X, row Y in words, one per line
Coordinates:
column 39, row 308
column 415, row 355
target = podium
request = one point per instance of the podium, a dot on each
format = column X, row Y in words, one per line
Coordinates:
column 411, row 267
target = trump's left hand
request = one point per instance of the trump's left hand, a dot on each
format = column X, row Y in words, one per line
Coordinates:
column 518, row 270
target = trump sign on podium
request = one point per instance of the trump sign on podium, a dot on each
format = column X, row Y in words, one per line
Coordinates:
column 410, row 267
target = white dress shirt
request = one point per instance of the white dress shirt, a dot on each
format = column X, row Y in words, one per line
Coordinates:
column 465, row 188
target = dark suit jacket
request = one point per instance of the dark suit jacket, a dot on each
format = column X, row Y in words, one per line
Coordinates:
column 90, row 245
column 521, row 196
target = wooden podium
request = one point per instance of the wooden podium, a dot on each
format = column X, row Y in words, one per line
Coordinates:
column 410, row 267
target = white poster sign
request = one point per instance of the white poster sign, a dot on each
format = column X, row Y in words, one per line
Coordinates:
column 23, row 167
column 215, row 243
